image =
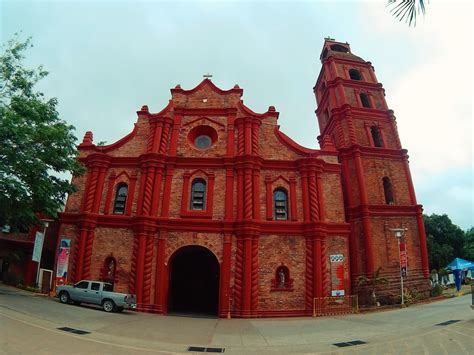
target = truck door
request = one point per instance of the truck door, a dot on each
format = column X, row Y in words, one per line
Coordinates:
column 94, row 295
column 81, row 290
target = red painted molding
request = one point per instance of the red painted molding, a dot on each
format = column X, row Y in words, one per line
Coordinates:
column 211, row 85
column 209, row 199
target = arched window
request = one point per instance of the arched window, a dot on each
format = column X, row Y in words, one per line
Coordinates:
column 198, row 195
column 388, row 190
column 280, row 204
column 120, row 199
column 355, row 74
column 364, row 99
column 376, row 136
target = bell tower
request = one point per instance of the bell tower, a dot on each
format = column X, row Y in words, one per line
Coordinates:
column 378, row 189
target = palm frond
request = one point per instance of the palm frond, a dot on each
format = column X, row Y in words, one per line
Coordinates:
column 407, row 10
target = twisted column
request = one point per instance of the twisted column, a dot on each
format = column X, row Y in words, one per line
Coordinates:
column 91, row 191
column 255, row 139
column 248, row 194
column 324, row 268
column 309, row 274
column 86, row 274
column 238, row 275
column 164, row 138
column 240, row 140
column 148, row 191
column 313, row 197
column 133, row 270
column 255, row 278
column 147, row 269
column 151, row 137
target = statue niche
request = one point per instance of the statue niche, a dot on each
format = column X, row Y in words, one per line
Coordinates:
column 282, row 280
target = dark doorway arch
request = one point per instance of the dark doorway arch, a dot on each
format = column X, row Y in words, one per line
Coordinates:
column 194, row 282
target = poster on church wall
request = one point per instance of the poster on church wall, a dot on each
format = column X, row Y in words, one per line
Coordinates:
column 63, row 261
column 38, row 247
column 337, row 275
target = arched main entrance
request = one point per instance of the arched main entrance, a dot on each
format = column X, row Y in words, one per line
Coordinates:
column 194, row 281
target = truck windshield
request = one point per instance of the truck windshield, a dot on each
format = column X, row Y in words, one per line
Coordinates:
column 108, row 287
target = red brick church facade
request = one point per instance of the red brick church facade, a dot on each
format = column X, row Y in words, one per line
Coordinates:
column 207, row 206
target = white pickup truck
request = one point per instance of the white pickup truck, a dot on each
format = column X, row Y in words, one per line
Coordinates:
column 96, row 292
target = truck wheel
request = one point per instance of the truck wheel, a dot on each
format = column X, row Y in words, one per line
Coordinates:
column 64, row 297
column 109, row 306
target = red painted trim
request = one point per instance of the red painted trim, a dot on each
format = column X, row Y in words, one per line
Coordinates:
column 140, row 267
column 159, row 275
column 256, row 195
column 113, row 146
column 207, row 83
column 322, row 214
column 203, row 118
column 269, row 197
column 157, row 135
column 224, row 305
column 175, row 134
column 209, row 199
column 305, row 193
column 270, row 113
column 110, row 191
column 291, row 144
column 99, row 190
column 240, row 194
column 247, row 280
column 156, row 192
column 423, row 246
column 131, row 195
column 229, row 194
column 165, row 204
column 293, row 209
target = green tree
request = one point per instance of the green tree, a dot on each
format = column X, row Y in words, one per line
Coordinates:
column 407, row 9
column 445, row 240
column 469, row 244
column 35, row 144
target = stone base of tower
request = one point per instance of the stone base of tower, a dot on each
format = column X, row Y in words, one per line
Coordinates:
column 416, row 287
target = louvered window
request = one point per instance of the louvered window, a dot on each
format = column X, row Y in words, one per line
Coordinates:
column 198, row 195
column 120, row 199
column 280, row 204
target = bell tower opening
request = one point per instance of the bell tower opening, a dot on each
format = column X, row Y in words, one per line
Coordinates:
column 194, row 282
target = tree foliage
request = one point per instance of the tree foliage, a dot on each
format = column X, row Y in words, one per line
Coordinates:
column 469, row 244
column 35, row 144
column 407, row 9
column 445, row 240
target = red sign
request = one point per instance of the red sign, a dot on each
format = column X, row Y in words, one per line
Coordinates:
column 403, row 259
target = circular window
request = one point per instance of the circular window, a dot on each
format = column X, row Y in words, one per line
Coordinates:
column 202, row 137
column 203, row 142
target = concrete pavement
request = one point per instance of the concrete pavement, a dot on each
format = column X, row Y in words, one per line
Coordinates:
column 412, row 330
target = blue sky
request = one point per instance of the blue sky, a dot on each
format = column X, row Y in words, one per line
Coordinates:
column 108, row 58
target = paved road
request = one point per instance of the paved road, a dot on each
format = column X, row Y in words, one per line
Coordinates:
column 29, row 325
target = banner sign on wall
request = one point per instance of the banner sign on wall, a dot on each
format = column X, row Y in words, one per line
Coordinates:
column 337, row 275
column 63, row 261
column 403, row 259
column 38, row 248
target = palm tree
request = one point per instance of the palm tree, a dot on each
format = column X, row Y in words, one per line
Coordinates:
column 373, row 281
column 407, row 9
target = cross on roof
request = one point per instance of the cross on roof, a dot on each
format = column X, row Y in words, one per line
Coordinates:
column 207, row 76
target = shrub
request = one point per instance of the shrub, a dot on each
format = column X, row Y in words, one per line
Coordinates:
column 436, row 290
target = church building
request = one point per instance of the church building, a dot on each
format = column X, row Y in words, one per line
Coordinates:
column 207, row 207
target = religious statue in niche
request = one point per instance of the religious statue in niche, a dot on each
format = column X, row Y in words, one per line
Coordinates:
column 109, row 269
column 282, row 280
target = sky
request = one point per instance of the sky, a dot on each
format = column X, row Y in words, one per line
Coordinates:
column 108, row 58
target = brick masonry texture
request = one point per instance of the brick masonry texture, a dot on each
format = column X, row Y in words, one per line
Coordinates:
column 337, row 191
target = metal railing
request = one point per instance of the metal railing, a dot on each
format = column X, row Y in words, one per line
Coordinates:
column 328, row 306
